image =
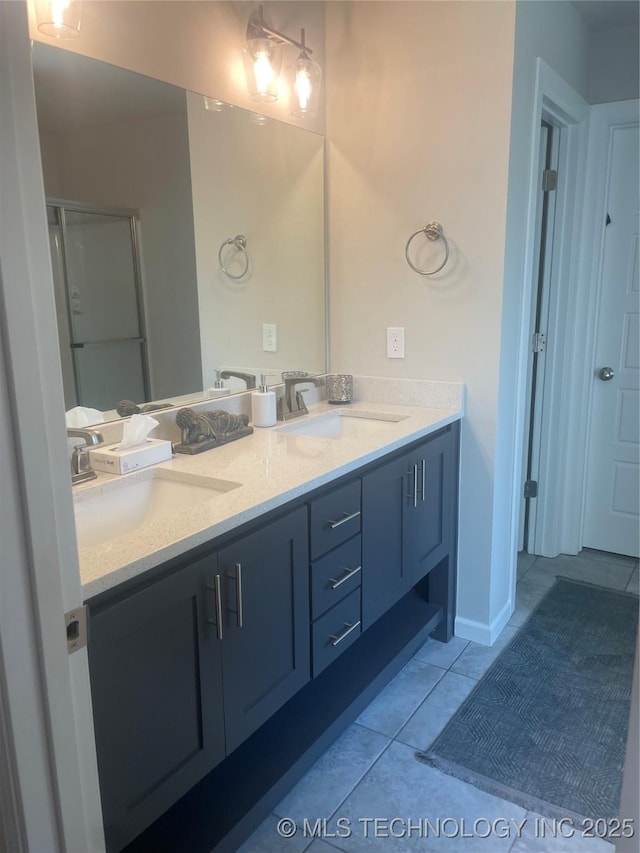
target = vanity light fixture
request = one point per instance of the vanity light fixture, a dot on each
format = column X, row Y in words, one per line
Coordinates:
column 59, row 18
column 263, row 59
column 306, row 86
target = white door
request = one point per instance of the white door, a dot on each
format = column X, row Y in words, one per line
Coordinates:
column 611, row 521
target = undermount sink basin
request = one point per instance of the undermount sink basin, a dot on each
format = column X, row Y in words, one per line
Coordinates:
column 127, row 504
column 343, row 424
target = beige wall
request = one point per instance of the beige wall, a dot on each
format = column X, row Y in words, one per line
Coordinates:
column 419, row 105
column 193, row 44
column 264, row 181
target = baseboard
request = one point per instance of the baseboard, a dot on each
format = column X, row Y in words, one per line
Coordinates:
column 481, row 632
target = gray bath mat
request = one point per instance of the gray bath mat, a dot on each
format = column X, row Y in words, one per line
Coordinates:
column 546, row 727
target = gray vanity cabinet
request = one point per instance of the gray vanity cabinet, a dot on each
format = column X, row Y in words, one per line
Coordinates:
column 408, row 518
column 431, row 472
column 218, row 679
column 265, row 647
column 386, row 573
column 187, row 667
column 156, row 676
column 432, row 523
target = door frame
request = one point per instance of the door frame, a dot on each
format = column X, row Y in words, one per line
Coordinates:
column 50, row 794
column 542, row 285
column 605, row 118
column 560, row 104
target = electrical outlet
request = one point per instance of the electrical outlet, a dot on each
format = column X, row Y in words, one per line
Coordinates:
column 395, row 342
column 269, row 337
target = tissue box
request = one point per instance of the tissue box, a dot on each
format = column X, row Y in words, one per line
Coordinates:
column 115, row 461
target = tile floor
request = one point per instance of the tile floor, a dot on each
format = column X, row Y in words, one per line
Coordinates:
column 349, row 798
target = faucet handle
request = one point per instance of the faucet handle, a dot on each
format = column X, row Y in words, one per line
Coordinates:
column 80, row 459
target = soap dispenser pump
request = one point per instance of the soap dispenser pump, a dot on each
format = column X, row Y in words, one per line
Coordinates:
column 263, row 405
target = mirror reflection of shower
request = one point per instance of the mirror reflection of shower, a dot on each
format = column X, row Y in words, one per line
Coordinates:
column 96, row 272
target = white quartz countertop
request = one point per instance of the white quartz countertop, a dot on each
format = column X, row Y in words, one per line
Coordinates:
column 272, row 467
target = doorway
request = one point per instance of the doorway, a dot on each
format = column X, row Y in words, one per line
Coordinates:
column 96, row 272
column 558, row 517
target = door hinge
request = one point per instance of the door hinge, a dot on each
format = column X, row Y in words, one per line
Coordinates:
column 531, row 488
column 76, row 624
column 538, row 342
column 549, row 180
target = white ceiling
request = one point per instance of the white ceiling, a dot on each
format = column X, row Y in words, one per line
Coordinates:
column 606, row 14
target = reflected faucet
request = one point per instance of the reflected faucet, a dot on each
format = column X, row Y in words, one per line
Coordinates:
column 248, row 378
column 81, row 469
column 292, row 404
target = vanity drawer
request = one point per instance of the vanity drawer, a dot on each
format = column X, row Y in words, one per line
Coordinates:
column 335, row 518
column 335, row 575
column 335, row 631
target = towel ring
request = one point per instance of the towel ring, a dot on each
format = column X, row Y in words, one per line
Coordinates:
column 432, row 231
column 239, row 243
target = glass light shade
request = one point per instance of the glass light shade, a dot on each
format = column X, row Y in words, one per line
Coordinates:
column 306, row 86
column 262, row 62
column 59, row 18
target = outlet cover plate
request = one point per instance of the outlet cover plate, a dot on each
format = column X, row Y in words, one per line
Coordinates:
column 395, row 342
column 269, row 337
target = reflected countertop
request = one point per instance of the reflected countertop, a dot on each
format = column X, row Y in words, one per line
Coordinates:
column 273, row 467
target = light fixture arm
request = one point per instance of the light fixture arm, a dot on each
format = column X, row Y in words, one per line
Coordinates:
column 257, row 28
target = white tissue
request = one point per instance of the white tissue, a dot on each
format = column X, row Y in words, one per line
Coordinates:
column 136, row 431
column 82, row 416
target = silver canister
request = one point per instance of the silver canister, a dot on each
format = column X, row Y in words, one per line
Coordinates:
column 339, row 387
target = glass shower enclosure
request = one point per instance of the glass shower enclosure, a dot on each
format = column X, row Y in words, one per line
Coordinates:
column 99, row 306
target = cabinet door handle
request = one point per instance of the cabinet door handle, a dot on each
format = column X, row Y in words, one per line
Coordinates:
column 347, row 516
column 348, row 628
column 423, row 465
column 237, row 578
column 239, row 612
column 414, row 494
column 334, row 583
column 217, row 603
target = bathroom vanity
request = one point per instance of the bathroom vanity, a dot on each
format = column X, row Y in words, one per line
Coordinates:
column 221, row 672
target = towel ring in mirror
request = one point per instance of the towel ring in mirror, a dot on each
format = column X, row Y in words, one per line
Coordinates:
column 432, row 231
column 239, row 243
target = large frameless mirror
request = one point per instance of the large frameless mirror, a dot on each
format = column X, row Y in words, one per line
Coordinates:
column 149, row 188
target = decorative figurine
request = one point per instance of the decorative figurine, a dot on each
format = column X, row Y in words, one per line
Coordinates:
column 126, row 408
column 203, row 430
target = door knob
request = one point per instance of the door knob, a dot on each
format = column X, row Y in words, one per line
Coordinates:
column 606, row 373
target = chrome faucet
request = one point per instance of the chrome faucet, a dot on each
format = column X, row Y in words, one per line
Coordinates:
column 292, row 404
column 248, row 378
column 81, row 469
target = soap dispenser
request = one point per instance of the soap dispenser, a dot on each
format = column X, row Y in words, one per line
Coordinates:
column 263, row 405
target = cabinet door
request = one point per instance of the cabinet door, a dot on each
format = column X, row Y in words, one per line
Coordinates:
column 385, row 572
column 266, row 622
column 429, row 524
column 156, row 680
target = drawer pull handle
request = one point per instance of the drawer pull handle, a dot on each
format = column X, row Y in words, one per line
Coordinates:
column 215, row 589
column 348, row 628
column 348, row 573
column 348, row 516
